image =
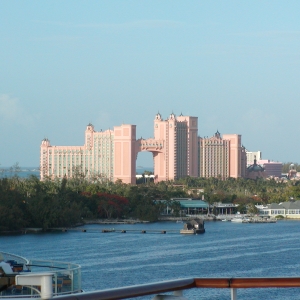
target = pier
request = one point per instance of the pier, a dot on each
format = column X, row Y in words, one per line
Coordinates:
column 113, row 230
column 116, row 221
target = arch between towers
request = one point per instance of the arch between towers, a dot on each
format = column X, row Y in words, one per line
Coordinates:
column 157, row 148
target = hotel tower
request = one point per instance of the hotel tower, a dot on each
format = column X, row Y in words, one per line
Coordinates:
column 179, row 156
column 107, row 155
column 222, row 157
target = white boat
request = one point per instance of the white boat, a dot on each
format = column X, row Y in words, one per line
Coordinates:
column 240, row 219
column 237, row 219
column 246, row 220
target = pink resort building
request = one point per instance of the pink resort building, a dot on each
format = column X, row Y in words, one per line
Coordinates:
column 179, row 155
column 111, row 155
column 222, row 156
column 107, row 155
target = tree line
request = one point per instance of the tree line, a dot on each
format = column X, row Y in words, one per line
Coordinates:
column 29, row 202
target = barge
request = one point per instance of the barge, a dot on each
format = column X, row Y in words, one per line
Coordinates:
column 195, row 226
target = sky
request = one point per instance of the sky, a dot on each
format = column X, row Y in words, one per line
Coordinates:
column 233, row 64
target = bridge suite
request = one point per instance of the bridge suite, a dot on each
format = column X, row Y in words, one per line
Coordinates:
column 150, row 145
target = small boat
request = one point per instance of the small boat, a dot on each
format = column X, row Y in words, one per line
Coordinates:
column 195, row 226
column 224, row 220
column 246, row 220
column 237, row 220
column 240, row 219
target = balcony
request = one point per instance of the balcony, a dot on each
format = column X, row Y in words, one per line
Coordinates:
column 179, row 286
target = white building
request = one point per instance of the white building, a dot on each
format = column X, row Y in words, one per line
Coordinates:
column 289, row 209
column 251, row 156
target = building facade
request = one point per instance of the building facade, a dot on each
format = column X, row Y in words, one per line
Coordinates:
column 214, row 156
column 176, row 148
column 272, row 168
column 251, row 156
column 222, row 156
column 111, row 154
column 288, row 209
column 106, row 155
column 179, row 155
column 255, row 171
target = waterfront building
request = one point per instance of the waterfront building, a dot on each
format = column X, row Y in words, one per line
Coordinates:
column 191, row 206
column 111, row 154
column 222, row 156
column 187, row 206
column 224, row 208
column 288, row 209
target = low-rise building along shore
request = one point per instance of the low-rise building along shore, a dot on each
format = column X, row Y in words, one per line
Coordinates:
column 288, row 209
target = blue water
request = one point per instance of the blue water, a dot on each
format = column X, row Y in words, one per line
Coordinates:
column 26, row 172
column 23, row 172
column 111, row 260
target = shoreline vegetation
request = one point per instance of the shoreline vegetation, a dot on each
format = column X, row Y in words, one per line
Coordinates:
column 31, row 203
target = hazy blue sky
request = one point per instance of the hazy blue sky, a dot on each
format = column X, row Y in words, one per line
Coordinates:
column 233, row 64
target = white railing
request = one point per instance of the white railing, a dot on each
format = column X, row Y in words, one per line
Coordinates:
column 177, row 287
column 65, row 277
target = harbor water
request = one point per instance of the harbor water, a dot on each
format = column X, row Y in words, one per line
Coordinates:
column 226, row 249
